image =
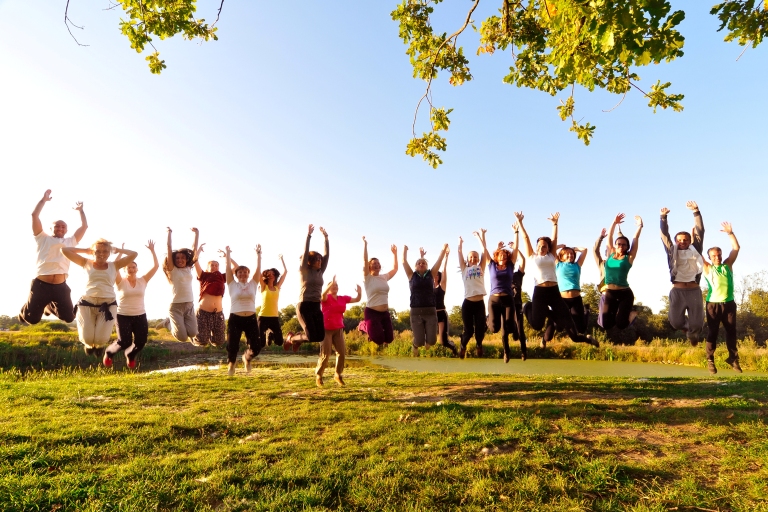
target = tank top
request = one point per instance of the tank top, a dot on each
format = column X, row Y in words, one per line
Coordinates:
column 130, row 299
column 422, row 290
column 543, row 269
column 242, row 297
column 474, row 281
column 568, row 276
column 439, row 298
column 517, row 286
column 720, row 281
column 181, row 285
column 101, row 283
column 376, row 290
column 616, row 271
column 269, row 300
column 501, row 280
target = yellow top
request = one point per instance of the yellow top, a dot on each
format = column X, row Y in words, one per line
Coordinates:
column 269, row 302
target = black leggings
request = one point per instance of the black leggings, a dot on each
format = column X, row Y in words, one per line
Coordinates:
column 618, row 306
column 579, row 315
column 56, row 297
column 501, row 316
column 544, row 298
column 311, row 319
column 725, row 313
column 132, row 333
column 519, row 333
column 235, row 327
column 271, row 323
column 473, row 317
column 442, row 317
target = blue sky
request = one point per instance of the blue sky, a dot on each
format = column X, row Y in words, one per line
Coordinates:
column 300, row 114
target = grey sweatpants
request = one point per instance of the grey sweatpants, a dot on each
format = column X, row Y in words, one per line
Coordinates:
column 183, row 320
column 682, row 300
column 424, row 326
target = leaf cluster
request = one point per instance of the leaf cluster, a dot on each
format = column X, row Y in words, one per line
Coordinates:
column 745, row 20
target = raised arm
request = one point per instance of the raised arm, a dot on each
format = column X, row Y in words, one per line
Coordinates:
column 357, row 297
column 460, row 253
column 596, row 249
column 522, row 263
column 392, row 272
column 280, row 281
column 324, row 264
column 169, row 257
column 528, row 248
column 436, row 266
column 697, row 238
column 406, row 266
column 80, row 232
column 444, row 280
column 37, row 226
column 151, row 246
column 728, row 229
column 515, row 248
column 366, row 271
column 664, row 226
column 305, row 256
column 257, row 274
column 228, row 256
column 126, row 257
column 554, row 218
column 582, row 255
column 196, row 257
column 484, row 256
column 327, row 289
column 73, row 255
column 197, row 238
column 636, row 239
column 618, row 220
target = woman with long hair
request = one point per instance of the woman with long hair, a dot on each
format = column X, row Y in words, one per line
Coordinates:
column 568, row 270
column 546, row 294
column 242, row 312
column 473, row 308
column 619, row 299
column 270, row 282
column 443, row 325
column 97, row 307
column 501, row 304
column 132, row 326
column 377, row 322
column 177, row 267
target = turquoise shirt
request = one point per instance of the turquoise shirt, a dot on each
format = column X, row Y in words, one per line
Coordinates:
column 616, row 271
column 568, row 276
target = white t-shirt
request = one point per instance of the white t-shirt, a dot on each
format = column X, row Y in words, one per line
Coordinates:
column 686, row 264
column 242, row 297
column 377, row 290
column 49, row 258
column 181, row 285
column 101, row 283
column 474, row 281
column 130, row 299
column 544, row 268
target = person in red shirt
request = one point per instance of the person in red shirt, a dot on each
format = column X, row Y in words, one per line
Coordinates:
column 334, row 306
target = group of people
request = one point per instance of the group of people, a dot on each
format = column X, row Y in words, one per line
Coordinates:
column 556, row 304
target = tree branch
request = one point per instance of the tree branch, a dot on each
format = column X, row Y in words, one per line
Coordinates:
column 221, row 6
column 68, row 22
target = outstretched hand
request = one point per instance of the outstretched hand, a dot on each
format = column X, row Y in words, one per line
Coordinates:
column 311, row 229
column 554, row 217
column 393, row 249
column 519, row 216
column 603, row 233
column 358, row 289
column 727, row 228
column 47, row 195
column 228, row 251
column 619, row 218
column 221, row 253
column 422, row 252
column 169, row 230
column 258, row 249
column 516, row 226
column 365, row 241
column 78, row 206
column 195, row 230
column 639, row 221
column 665, row 211
column 150, row 245
column 200, row 248
column 691, row 205
column 323, row 231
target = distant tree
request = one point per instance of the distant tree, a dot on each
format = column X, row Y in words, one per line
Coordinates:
column 455, row 321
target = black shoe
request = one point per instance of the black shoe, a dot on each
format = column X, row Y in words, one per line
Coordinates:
column 734, row 364
column 694, row 341
column 711, row 367
column 462, row 352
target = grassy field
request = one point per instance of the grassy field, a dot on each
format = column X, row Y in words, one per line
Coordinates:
column 105, row 440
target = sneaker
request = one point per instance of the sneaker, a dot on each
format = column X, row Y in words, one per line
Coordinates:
column 296, row 345
column 479, row 351
column 711, row 366
column 592, row 341
column 735, row 365
column 247, row 363
column 463, row 352
column 319, row 380
column 543, row 343
column 339, row 380
column 131, row 364
column 288, row 344
column 107, row 361
column 165, row 324
column 196, row 342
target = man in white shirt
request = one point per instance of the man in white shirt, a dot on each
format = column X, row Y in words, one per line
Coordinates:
column 50, row 293
column 685, row 267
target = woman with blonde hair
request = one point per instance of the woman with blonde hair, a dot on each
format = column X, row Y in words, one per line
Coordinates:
column 97, row 307
column 177, row 267
column 377, row 323
column 242, row 311
column 334, row 306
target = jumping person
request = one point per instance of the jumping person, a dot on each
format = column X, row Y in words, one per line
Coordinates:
column 568, row 271
column 721, row 307
column 177, row 267
column 546, row 293
column 501, row 305
column 517, row 288
column 334, row 306
column 619, row 299
column 242, row 312
column 377, row 323
column 49, row 292
column 685, row 267
column 421, row 281
column 442, row 316
column 132, row 327
column 473, row 307
column 97, row 308
column 308, row 310
column 210, row 313
column 269, row 313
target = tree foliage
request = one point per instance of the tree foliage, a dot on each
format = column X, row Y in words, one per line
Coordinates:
column 555, row 45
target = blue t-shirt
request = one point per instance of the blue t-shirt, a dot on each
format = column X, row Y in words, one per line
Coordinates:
column 568, row 276
column 501, row 280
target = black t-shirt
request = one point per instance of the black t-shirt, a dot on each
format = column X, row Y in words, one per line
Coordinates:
column 439, row 298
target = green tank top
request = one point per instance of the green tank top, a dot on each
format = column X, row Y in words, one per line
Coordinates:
column 720, row 282
column 616, row 271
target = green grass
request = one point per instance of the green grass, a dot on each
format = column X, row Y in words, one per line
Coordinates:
column 98, row 440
